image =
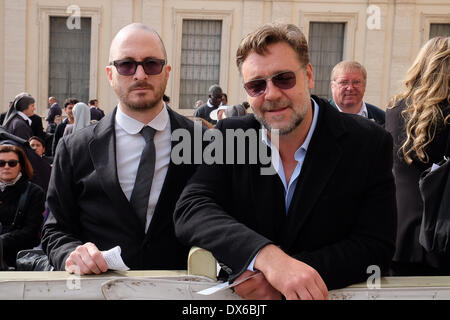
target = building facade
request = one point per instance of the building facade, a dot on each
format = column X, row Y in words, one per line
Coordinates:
column 61, row 48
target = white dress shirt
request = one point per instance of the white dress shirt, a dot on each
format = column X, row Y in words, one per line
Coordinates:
column 362, row 112
column 129, row 146
column 299, row 156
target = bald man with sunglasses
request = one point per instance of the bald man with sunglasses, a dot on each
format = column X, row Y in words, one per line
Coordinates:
column 113, row 183
column 325, row 214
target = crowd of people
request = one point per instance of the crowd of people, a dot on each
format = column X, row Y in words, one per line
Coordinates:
column 343, row 193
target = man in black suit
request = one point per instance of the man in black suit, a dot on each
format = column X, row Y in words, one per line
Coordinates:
column 214, row 100
column 69, row 104
column 324, row 215
column 348, row 85
column 53, row 111
column 96, row 113
column 95, row 169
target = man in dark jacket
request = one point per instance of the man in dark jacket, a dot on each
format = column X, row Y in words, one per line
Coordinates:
column 319, row 214
column 214, row 101
column 53, row 111
column 59, row 132
column 111, row 184
column 348, row 84
column 96, row 113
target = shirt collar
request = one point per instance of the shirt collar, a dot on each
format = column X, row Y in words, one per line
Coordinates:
column 24, row 116
column 3, row 185
column 311, row 130
column 209, row 103
column 133, row 126
column 362, row 112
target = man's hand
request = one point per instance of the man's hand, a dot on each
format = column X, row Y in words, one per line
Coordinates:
column 293, row 278
column 257, row 288
column 86, row 259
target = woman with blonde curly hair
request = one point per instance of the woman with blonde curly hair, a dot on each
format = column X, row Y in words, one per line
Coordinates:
column 419, row 120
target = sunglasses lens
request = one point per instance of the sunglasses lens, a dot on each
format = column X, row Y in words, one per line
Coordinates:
column 285, row 80
column 256, row 87
column 11, row 163
column 126, row 67
column 152, row 67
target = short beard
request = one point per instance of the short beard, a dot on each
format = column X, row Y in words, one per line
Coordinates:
column 293, row 124
column 144, row 105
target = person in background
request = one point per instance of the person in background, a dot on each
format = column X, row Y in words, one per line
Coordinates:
column 81, row 118
column 17, row 120
column 198, row 104
column 38, row 145
column 54, row 110
column 348, row 85
column 224, row 99
column 213, row 103
column 237, row 110
column 96, row 113
column 419, row 120
column 69, row 103
column 20, row 228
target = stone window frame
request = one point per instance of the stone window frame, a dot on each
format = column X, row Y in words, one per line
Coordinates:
column 349, row 18
column 178, row 16
column 44, row 14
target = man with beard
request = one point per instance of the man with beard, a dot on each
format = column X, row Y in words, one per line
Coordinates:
column 113, row 183
column 325, row 214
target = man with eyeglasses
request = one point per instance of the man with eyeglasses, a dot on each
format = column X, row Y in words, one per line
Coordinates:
column 348, row 84
column 113, row 183
column 326, row 213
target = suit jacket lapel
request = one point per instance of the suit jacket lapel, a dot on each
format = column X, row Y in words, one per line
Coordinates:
column 102, row 149
column 321, row 159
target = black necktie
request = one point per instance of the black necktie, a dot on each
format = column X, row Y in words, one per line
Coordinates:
column 144, row 176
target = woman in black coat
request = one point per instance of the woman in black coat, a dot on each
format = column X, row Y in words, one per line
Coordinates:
column 419, row 121
column 19, row 231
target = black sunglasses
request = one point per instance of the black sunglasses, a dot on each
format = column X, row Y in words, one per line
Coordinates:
column 127, row 67
column 282, row 80
column 11, row 163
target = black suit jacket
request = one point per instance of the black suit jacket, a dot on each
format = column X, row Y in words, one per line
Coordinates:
column 375, row 113
column 55, row 110
column 87, row 203
column 96, row 113
column 342, row 217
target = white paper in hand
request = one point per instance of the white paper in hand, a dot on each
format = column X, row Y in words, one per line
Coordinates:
column 114, row 259
column 225, row 285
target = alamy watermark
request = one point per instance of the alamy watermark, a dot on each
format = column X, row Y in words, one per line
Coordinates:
column 73, row 282
column 241, row 147
column 74, row 20
column 374, row 280
column 374, row 18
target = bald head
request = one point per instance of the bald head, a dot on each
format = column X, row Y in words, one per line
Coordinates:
column 126, row 32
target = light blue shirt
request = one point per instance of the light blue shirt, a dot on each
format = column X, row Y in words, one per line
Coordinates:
column 299, row 156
